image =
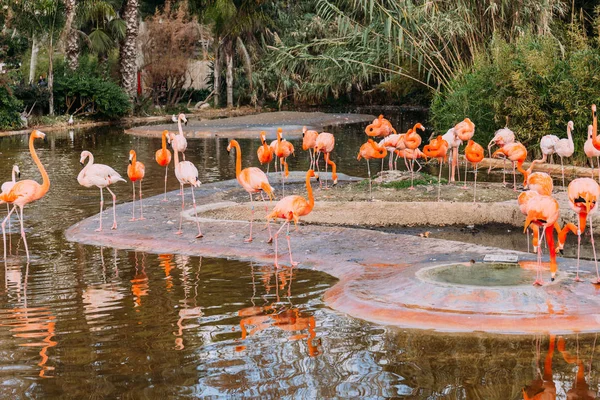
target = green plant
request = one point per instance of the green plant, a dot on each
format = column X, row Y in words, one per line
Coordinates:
column 10, row 108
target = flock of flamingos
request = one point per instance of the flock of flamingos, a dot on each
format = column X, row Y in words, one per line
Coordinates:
column 536, row 203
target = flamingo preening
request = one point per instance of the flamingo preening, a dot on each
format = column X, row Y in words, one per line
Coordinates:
column 437, row 148
column 101, row 176
column 412, row 140
column 26, row 191
column 253, row 180
column 501, row 138
column 517, row 153
column 380, row 127
column 179, row 142
column 163, row 158
column 264, row 152
column 543, row 211
column 369, row 151
column 291, row 208
column 136, row 171
column 474, row 154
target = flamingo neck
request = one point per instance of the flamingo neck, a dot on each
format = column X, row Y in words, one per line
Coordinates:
column 176, row 158
column 179, row 125
column 45, row 179
column 311, row 199
column 594, row 125
column 14, row 175
column 238, row 158
column 134, row 160
column 569, row 135
column 164, row 141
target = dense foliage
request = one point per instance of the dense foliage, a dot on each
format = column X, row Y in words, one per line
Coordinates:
column 10, row 108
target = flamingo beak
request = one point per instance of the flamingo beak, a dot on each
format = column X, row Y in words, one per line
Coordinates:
column 527, row 223
column 19, row 174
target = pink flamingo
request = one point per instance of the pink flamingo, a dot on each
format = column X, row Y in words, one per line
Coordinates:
column 591, row 151
column 264, row 152
column 413, row 140
column 136, row 171
column 26, row 191
column 324, row 144
column 6, row 187
column 179, row 142
column 163, row 158
column 187, row 174
column 253, row 180
column 101, row 176
column 283, row 150
column 291, row 208
column 501, row 137
column 453, row 142
column 309, row 141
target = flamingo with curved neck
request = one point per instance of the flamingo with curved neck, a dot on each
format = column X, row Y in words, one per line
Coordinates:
column 26, row 191
column 291, row 208
column 253, row 180
column 264, row 152
column 136, row 171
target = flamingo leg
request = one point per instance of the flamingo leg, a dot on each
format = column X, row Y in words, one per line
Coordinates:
column 166, row 171
column 598, row 164
column 4, row 230
column 281, row 161
column 594, row 250
column 514, row 177
column 504, row 171
column 475, row 185
column 412, row 174
column 577, row 279
column 390, row 160
column 268, row 221
column 101, row 206
column 538, row 278
column 466, row 166
column 369, row 171
column 440, row 178
column 419, row 164
column 199, row 235
column 562, row 170
column 326, row 165
column 133, row 204
column 114, row 198
column 317, row 166
column 25, row 239
column 292, row 262
column 179, row 232
column 141, row 218
column 276, row 242
column 251, row 218
column 9, row 229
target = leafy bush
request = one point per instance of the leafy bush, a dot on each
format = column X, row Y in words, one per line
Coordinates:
column 534, row 83
column 80, row 93
column 32, row 94
column 10, row 108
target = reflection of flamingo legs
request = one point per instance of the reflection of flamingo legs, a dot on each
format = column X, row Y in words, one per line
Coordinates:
column 594, row 250
column 538, row 275
column 289, row 244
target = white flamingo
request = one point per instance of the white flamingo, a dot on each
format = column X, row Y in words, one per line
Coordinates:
column 501, row 138
column 565, row 148
column 187, row 173
column 547, row 145
column 590, row 150
column 454, row 143
column 101, row 176
column 179, row 142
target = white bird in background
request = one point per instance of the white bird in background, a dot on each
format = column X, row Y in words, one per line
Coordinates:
column 547, row 145
column 187, row 173
column 454, row 143
column 70, row 122
column 565, row 148
column 590, row 150
column 501, row 138
column 101, row 176
column 179, row 142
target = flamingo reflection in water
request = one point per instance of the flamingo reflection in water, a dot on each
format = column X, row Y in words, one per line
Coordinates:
column 190, row 310
column 285, row 317
column 139, row 283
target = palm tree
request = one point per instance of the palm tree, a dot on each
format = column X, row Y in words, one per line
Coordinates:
column 128, row 50
column 233, row 22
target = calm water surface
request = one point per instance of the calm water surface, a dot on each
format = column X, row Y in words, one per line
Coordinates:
column 90, row 322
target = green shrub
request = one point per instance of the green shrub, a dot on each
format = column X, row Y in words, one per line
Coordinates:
column 10, row 108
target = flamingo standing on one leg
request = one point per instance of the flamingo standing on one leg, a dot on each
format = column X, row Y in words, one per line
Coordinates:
column 369, row 151
column 474, row 154
column 517, row 153
column 501, row 137
column 591, row 151
column 583, row 194
column 324, row 144
column 543, row 212
column 179, row 141
column 291, row 208
column 380, row 127
column 136, row 171
column 309, row 141
column 283, row 150
column 548, row 147
column 163, row 158
column 565, row 148
column 101, row 176
column 453, row 142
column 4, row 189
column 26, row 191
column 413, row 140
column 264, row 152
column 437, row 148
column 187, row 173
column 253, row 180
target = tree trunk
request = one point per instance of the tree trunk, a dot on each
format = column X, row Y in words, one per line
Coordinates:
column 229, row 74
column 128, row 51
column 68, row 38
column 241, row 47
column 51, row 77
column 217, row 75
column 35, row 48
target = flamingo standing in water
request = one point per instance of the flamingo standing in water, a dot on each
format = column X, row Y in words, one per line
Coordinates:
column 187, row 174
column 369, row 151
column 437, row 148
column 253, row 180
column 309, row 141
column 291, row 208
column 26, row 191
column 591, row 151
column 163, row 158
column 179, row 141
column 324, row 144
column 517, row 153
column 501, row 138
column 4, row 189
column 543, row 212
column 264, row 152
column 565, row 148
column 283, row 150
column 101, row 176
column 474, row 154
column 583, row 196
column 413, row 140
column 136, row 171
column 539, row 183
